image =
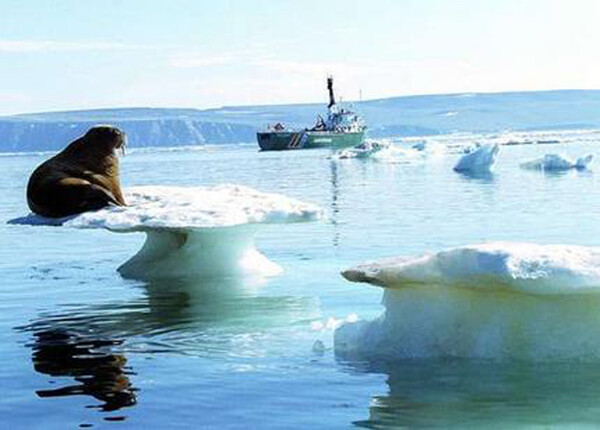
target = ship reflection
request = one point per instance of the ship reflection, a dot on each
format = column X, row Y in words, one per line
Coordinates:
column 98, row 371
column 335, row 205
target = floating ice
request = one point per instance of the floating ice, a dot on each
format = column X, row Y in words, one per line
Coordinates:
column 429, row 148
column 497, row 300
column 421, row 146
column 458, row 142
column 393, row 152
column 364, row 150
column 319, row 347
column 557, row 162
column 479, row 160
column 206, row 231
column 522, row 267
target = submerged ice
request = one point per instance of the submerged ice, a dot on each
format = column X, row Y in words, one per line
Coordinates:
column 496, row 300
column 199, row 231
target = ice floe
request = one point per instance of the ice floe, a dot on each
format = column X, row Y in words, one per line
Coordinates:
column 478, row 160
column 558, row 162
column 206, row 231
column 497, row 300
column 364, row 150
column 393, row 151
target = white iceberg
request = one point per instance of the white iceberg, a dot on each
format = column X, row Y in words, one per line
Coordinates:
column 497, row 300
column 198, row 231
column 479, row 160
column 558, row 162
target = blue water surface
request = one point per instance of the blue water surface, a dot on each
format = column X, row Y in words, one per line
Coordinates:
column 81, row 346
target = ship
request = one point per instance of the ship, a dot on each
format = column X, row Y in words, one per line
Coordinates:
column 342, row 128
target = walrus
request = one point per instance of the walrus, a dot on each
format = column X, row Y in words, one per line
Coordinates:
column 83, row 177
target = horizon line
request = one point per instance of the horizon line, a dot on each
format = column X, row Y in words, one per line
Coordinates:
column 463, row 94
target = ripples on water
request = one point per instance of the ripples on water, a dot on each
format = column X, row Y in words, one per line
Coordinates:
column 82, row 346
column 223, row 320
column 90, row 361
column 483, row 394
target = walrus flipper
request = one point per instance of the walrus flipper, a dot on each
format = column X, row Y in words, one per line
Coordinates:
column 95, row 197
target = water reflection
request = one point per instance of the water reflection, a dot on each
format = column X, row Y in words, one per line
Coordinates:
column 177, row 313
column 99, row 372
column 480, row 177
column 468, row 393
column 335, row 205
column 566, row 173
column 89, row 344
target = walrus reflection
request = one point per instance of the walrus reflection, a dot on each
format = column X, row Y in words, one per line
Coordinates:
column 99, row 372
column 82, row 177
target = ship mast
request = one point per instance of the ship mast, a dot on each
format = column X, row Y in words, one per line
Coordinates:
column 330, row 89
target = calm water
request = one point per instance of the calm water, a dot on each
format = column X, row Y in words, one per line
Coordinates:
column 83, row 347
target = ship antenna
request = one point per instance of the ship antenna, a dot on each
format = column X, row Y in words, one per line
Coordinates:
column 330, row 89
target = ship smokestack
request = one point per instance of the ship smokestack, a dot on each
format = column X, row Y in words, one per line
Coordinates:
column 330, row 89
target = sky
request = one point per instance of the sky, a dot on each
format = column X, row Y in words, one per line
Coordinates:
column 84, row 54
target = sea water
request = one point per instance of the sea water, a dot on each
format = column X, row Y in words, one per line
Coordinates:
column 83, row 346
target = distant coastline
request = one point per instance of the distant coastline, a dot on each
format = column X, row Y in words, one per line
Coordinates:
column 395, row 116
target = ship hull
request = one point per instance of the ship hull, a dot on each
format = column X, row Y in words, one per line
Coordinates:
column 280, row 141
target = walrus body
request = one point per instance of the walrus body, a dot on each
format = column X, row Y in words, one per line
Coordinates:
column 83, row 177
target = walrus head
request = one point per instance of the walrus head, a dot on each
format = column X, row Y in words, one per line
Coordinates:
column 106, row 138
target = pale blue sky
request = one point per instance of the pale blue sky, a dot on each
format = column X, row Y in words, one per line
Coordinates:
column 62, row 54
